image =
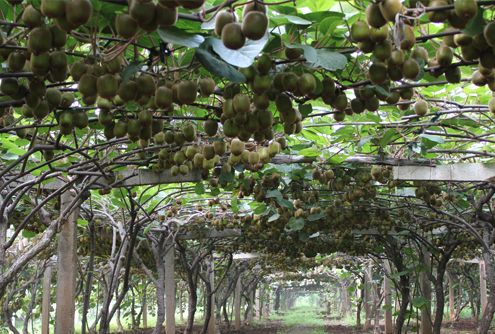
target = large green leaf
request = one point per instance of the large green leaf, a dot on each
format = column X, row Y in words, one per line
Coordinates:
column 245, row 56
column 215, row 65
column 177, row 36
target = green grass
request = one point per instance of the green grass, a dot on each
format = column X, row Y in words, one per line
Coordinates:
column 304, row 318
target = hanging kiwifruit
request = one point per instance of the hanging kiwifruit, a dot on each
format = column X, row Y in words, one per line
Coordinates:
column 241, row 103
column 489, row 33
column 107, row 86
column 39, row 40
column 127, row 90
column 390, row 8
column 421, row 107
column 466, row 9
column 78, row 12
column 211, row 127
column 206, row 86
column 360, row 31
column 374, row 16
column 306, row 83
column 408, row 38
column 125, row 25
column 254, row 25
column 145, row 85
column 191, row 4
column 223, row 18
column 53, row 97
column 444, row 55
column 187, row 92
column 53, row 8
column 163, row 97
column 142, row 11
column 410, row 69
column 383, row 50
column 166, row 15
column 31, row 17
column 16, row 61
column 232, row 36
column 438, row 16
column 87, row 85
column 377, row 73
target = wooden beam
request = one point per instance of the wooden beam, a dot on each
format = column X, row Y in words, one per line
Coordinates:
column 210, row 234
column 463, row 172
column 170, row 289
column 46, row 300
column 67, row 266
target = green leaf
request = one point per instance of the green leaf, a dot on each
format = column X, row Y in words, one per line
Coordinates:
column 295, row 224
column 316, row 216
column 310, row 152
column 245, row 56
column 330, row 60
column 234, row 203
column 274, row 217
column 420, row 302
column 28, row 234
column 131, row 70
column 177, row 36
column 199, row 188
column 82, row 222
column 305, row 109
column 387, row 137
column 215, row 65
column 297, row 20
column 476, row 24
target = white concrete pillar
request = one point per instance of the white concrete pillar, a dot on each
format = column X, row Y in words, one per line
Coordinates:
column 170, row 288
column 46, row 300
column 237, row 304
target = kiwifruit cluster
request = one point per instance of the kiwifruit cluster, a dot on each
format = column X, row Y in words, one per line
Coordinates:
column 234, row 34
column 381, row 174
column 431, row 193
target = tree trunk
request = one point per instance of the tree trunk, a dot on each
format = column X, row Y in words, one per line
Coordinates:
column 46, row 302
column 237, row 304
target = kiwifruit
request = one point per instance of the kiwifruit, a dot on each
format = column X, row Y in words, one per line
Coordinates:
column 42, row 110
column 59, row 37
column 254, row 25
column 366, row 46
column 81, row 121
column 360, row 31
column 133, row 129
column 463, row 39
column 357, row 106
column 145, row 85
column 421, row 107
column 236, row 146
column 261, row 101
column 290, row 81
column 420, row 53
column 306, row 83
column 191, row 4
column 220, row 147
column 390, row 8
column 231, row 89
column 393, row 98
column 241, row 103
column 230, row 128
column 66, row 122
column 187, row 92
column 478, row 79
column 409, row 39
column 189, row 132
column 489, row 33
column 78, row 12
column 58, row 74
column 120, row 129
column 339, row 116
column 340, row 102
column 163, row 97
column 377, row 73
column 374, row 16
column 378, row 35
column 406, row 93
column 87, row 85
column 466, row 9
column 410, row 69
column 261, row 84
column 63, row 24
column 206, row 86
column 67, row 99
column 444, row 55
column 53, row 8
column 40, row 40
column 293, row 53
column 487, row 59
column 128, row 91
column 53, row 97
column 169, row 137
column 166, row 15
column 456, row 21
column 383, row 51
column 264, row 64
column 77, row 70
column 397, row 58
column 453, row 74
column 221, row 19
column 31, row 17
column 265, row 118
column 283, row 103
column 107, row 86
column 438, row 16
column 491, row 105
column 372, row 104
column 58, row 59
column 232, row 36
column 125, row 25
column 16, row 61
column 469, row 52
column 31, row 100
column 9, row 86
column 211, row 127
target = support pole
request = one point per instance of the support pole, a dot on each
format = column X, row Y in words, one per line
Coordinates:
column 45, row 304
column 170, row 288
column 212, row 328
column 387, row 291
column 483, row 289
column 145, row 305
column 258, row 296
column 237, row 304
column 367, row 297
column 67, row 259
